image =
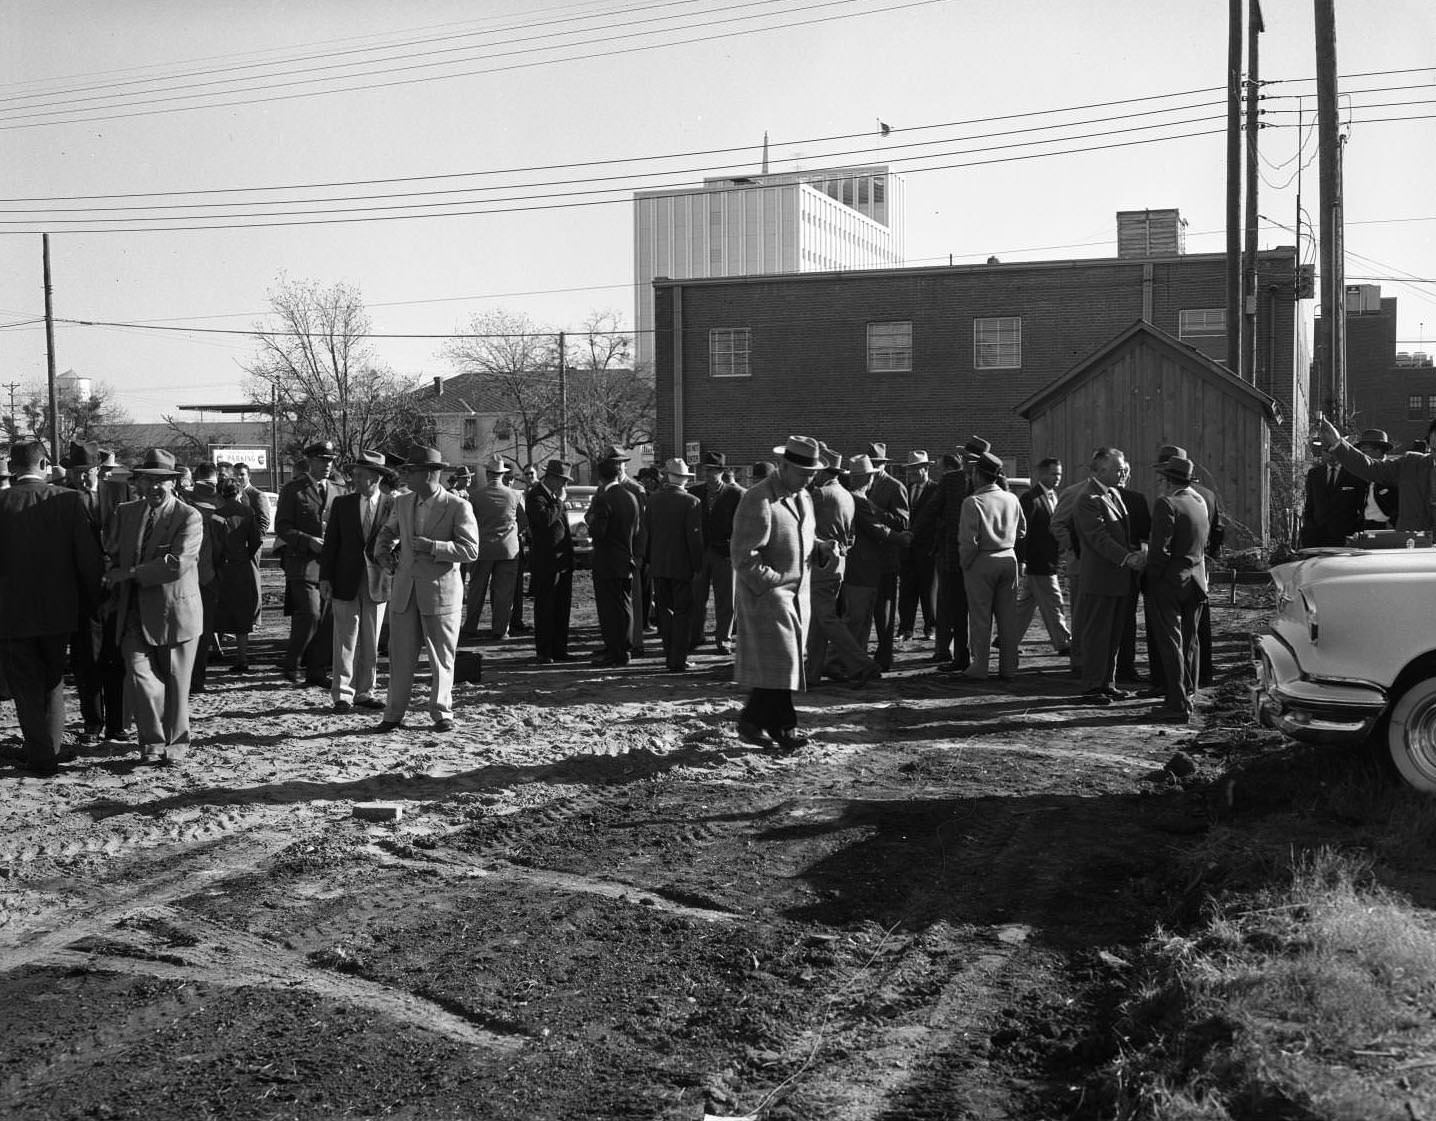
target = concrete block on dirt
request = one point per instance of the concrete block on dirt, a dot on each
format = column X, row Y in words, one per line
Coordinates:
column 378, row 811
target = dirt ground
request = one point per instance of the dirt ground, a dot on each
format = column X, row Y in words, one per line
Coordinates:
column 598, row 902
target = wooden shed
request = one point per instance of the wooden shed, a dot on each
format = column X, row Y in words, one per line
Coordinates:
column 1147, row 388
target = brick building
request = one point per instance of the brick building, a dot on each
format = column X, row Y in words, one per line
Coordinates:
column 1384, row 388
column 920, row 358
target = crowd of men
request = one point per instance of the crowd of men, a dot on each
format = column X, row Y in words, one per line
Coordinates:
column 819, row 570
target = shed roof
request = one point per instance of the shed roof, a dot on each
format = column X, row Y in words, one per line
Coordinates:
column 1144, row 332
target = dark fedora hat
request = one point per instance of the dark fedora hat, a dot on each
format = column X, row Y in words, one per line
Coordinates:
column 613, row 454
column 975, row 448
column 714, row 459
column 801, row 451
column 82, row 455
column 425, row 459
column 1374, row 436
column 158, row 463
column 1179, row 469
column 1170, row 451
column 878, row 453
column 988, row 464
column 558, row 469
column 324, row 449
column 375, row 461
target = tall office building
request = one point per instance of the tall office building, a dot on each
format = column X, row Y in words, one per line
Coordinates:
column 798, row 221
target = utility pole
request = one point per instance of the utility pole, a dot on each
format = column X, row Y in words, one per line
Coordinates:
column 12, row 386
column 50, row 355
column 562, row 398
column 274, row 481
column 1249, row 266
column 1331, row 345
column 1234, row 185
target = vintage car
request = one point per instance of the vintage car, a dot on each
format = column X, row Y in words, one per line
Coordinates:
column 1351, row 654
column 577, row 500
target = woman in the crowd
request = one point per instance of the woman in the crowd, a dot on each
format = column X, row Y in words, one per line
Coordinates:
column 237, row 610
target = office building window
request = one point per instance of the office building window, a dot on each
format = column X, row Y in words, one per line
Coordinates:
column 890, row 348
column 1199, row 323
column 1414, row 407
column 997, row 343
column 1431, row 407
column 471, row 433
column 728, row 349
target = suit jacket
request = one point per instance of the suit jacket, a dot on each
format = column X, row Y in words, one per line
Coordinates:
column 299, row 522
column 718, row 514
column 50, row 562
column 550, row 539
column 1139, row 514
column 166, row 582
column 1100, row 519
column 496, row 510
column 873, row 529
column 432, row 583
column 613, row 520
column 1412, row 475
column 1331, row 512
column 1176, row 558
column 347, row 559
column 890, row 496
column 1039, row 550
column 640, row 496
column 941, row 520
column 773, row 541
column 254, row 498
column 675, row 533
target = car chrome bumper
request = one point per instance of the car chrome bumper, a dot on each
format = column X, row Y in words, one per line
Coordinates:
column 1311, row 711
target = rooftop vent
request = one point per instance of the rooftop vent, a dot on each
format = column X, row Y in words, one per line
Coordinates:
column 1150, row 233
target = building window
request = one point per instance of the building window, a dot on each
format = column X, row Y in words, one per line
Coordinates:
column 1431, row 407
column 728, row 352
column 997, row 343
column 890, row 348
column 471, row 433
column 1199, row 323
column 1414, row 405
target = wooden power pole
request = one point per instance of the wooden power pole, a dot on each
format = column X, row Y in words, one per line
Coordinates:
column 1249, row 264
column 50, row 354
column 562, row 397
column 1331, row 345
column 1234, row 185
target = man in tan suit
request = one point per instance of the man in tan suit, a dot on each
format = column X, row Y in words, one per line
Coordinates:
column 159, row 618
column 429, row 534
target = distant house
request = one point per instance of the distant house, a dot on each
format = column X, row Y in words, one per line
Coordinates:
column 473, row 421
column 1145, row 388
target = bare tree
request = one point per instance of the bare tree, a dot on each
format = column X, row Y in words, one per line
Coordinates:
column 517, row 360
column 317, row 362
column 82, row 419
column 609, row 402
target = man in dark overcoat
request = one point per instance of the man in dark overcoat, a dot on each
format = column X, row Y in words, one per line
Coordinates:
column 1176, row 582
column 550, row 562
column 889, row 497
column 50, row 568
column 613, row 518
column 1331, row 506
column 675, row 553
column 1108, row 558
column 917, row 578
column 300, row 514
column 1412, row 473
column 720, row 503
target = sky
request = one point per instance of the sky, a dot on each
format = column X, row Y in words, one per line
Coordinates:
column 106, row 99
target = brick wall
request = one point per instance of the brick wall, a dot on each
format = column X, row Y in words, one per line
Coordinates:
column 1378, row 390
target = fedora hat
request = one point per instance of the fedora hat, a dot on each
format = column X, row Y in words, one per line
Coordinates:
column 495, row 465
column 83, row 455
column 1170, row 451
column 159, row 464
column 975, row 448
column 1179, row 469
column 613, row 454
column 714, row 459
column 677, row 469
column 832, row 460
column 374, row 461
column 988, row 464
column 324, row 449
column 1373, row 436
column 917, row 459
column 107, row 458
column 463, row 473
column 860, row 466
column 558, row 469
column 425, row 459
column 878, row 453
column 801, row 451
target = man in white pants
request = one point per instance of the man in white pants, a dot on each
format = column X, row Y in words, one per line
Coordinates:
column 429, row 534
column 356, row 586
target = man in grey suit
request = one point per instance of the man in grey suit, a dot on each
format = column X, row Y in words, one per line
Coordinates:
column 499, row 513
column 429, row 534
column 1108, row 558
column 1176, row 582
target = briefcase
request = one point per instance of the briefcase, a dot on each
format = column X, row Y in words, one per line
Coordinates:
column 469, row 666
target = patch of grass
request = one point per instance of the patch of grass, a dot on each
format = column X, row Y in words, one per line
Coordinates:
column 1295, row 1001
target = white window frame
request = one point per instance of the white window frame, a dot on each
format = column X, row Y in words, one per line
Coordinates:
column 890, row 347
column 730, row 352
column 997, row 342
column 1202, row 323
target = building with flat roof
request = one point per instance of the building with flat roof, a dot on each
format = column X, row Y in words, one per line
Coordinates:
column 1385, row 388
column 797, row 221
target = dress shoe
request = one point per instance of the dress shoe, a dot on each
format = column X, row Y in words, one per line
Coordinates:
column 959, row 665
column 683, row 668
column 788, row 739
column 1095, row 697
column 1120, row 694
column 1129, row 679
column 749, row 732
column 722, row 648
column 290, row 675
column 865, row 675
column 443, row 725
column 927, row 634
column 563, row 657
column 119, row 735
column 388, row 726
column 239, row 668
column 319, row 682
column 542, row 660
column 518, row 628
column 342, row 708
column 939, row 656
column 368, row 702
column 1063, row 651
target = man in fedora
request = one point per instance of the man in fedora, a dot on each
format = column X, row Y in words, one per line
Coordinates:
column 550, row 562
column 941, row 521
column 50, row 567
column 82, row 475
column 992, row 524
column 1176, row 581
column 155, row 550
column 1108, row 557
column 1381, row 503
column 499, row 513
column 720, row 502
column 774, row 547
column 300, row 516
column 641, row 593
column 876, row 534
column 675, row 553
column 1039, row 559
column 614, row 520
column 889, row 497
column 1411, row 473
column 917, row 575
column 429, row 533
column 1332, row 502
column 832, row 646
column 355, row 584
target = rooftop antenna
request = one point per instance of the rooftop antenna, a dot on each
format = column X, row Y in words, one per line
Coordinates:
column 765, row 151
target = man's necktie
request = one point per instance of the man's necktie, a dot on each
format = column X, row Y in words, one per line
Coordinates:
column 367, row 516
column 145, row 534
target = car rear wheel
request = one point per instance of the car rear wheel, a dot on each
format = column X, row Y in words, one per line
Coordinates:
column 1411, row 735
